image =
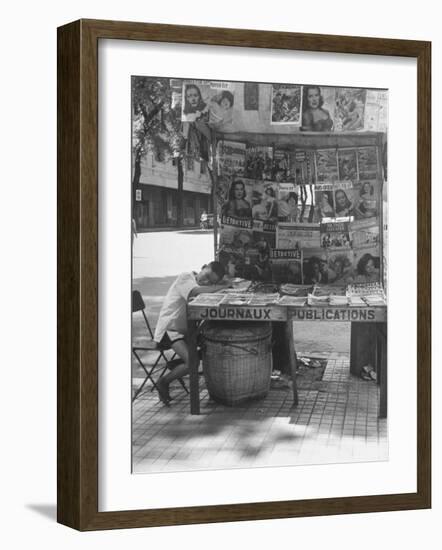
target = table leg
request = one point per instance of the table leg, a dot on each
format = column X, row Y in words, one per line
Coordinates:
column 193, row 367
column 382, row 367
column 280, row 349
column 362, row 348
column 292, row 358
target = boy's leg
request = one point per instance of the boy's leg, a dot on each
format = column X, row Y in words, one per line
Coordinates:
column 181, row 349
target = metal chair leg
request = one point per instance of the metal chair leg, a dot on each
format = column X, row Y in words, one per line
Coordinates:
column 148, row 375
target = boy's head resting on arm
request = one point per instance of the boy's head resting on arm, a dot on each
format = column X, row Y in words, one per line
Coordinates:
column 210, row 274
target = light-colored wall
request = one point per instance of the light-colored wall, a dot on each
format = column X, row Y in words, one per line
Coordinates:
column 164, row 174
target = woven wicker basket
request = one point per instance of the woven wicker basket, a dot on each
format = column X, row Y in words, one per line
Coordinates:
column 237, row 361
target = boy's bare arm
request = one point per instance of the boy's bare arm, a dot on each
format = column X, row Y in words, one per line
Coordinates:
column 208, row 289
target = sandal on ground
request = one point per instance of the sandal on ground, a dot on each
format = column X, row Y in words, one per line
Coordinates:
column 368, row 373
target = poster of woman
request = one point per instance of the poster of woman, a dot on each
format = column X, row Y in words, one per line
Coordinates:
column 316, row 114
column 265, row 203
column 324, row 201
column 367, row 262
column 238, row 203
column 288, row 209
column 344, row 205
column 208, row 101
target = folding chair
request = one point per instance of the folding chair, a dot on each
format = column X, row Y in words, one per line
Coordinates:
column 150, row 370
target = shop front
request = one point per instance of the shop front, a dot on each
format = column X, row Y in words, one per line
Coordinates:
column 157, row 208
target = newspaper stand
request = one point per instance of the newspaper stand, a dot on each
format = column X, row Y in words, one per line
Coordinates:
column 368, row 325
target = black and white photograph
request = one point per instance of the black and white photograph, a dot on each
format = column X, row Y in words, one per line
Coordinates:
column 234, row 205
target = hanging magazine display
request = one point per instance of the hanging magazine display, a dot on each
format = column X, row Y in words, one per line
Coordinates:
column 367, row 263
column 326, row 165
column 265, row 203
column 281, row 166
column 318, row 106
column 376, row 111
column 288, row 200
column 238, row 202
column 345, row 198
column 348, row 167
column 340, row 266
column 286, row 104
column 303, row 171
column 297, row 236
column 314, row 266
column 231, row 157
column 236, row 239
column 259, row 162
column 367, row 163
column 208, row 101
column 324, row 200
column 364, row 232
column 286, row 266
column 349, row 109
column 366, row 199
column 335, row 235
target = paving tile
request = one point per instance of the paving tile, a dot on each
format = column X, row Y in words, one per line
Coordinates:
column 336, row 421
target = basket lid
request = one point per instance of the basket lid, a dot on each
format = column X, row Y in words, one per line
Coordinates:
column 236, row 331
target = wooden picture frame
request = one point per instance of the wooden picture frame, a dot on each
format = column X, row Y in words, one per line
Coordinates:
column 77, row 460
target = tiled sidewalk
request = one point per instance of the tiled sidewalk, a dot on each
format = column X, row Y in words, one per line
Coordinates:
column 336, row 421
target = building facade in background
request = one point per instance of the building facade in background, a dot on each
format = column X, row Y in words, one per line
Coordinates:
column 156, row 198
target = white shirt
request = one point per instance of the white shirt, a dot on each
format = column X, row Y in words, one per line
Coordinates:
column 173, row 314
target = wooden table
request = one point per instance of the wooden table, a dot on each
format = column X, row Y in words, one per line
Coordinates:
column 368, row 336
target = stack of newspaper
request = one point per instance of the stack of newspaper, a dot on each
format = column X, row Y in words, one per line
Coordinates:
column 375, row 300
column 328, row 294
column 338, row 301
column 313, row 300
column 365, row 289
column 329, row 290
column 262, row 299
column 298, row 301
column 356, row 301
column 371, row 293
column 209, row 300
column 295, row 290
column 236, row 299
